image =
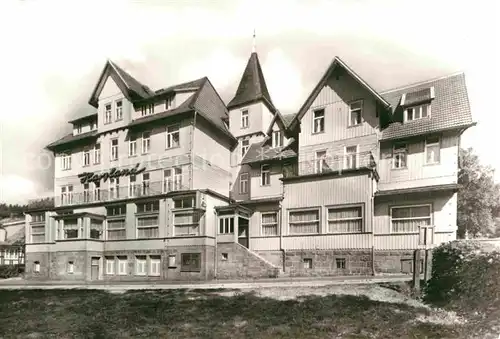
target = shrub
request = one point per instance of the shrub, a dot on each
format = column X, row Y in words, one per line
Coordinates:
column 465, row 277
column 10, row 271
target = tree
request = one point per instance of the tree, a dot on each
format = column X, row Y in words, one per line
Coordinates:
column 478, row 198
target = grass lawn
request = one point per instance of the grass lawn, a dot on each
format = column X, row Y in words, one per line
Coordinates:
column 206, row 314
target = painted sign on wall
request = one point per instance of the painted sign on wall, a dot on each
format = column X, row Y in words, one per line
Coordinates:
column 87, row 177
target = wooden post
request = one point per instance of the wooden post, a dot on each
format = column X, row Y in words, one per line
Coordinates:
column 427, row 265
column 373, row 261
column 416, row 271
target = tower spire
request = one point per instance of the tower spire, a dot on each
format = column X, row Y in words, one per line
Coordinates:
column 253, row 41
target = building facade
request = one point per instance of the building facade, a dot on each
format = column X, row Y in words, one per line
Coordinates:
column 174, row 184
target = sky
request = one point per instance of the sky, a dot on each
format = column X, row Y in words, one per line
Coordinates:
column 54, row 51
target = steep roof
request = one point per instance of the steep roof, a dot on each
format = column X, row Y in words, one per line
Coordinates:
column 336, row 62
column 450, row 107
column 262, row 151
column 252, row 86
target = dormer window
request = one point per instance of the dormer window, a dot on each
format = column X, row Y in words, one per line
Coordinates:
column 78, row 129
column 277, row 139
column 244, row 118
column 147, row 110
column 417, row 112
column 169, row 103
column 107, row 114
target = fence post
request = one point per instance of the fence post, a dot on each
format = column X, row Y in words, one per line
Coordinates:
column 416, row 271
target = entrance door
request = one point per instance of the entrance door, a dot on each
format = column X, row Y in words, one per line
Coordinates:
column 243, row 232
column 94, row 269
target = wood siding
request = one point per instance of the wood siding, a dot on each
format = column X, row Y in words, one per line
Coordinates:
column 259, row 119
column 110, row 94
column 407, row 241
column 444, row 212
column 275, row 189
column 417, row 173
column 335, row 98
column 326, row 192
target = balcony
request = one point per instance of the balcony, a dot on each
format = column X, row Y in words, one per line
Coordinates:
column 114, row 193
column 332, row 164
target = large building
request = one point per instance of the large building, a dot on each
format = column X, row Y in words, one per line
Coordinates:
column 174, row 184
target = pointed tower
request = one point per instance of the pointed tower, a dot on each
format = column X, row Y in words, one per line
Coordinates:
column 251, row 109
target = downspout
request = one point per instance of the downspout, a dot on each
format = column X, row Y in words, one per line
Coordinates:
column 372, row 217
column 283, row 251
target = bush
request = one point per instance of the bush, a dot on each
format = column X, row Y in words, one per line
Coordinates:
column 10, row 271
column 465, row 277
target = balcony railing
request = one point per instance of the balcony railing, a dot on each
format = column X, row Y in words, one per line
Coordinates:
column 111, row 194
column 332, row 164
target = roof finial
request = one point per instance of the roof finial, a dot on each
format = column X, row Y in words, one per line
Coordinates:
column 253, row 42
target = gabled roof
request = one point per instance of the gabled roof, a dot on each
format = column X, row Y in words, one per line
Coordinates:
column 278, row 119
column 88, row 117
column 189, row 86
column 252, row 87
column 337, row 62
column 450, row 107
column 70, row 138
column 131, row 87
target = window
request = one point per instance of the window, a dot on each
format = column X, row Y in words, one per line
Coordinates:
column 243, row 183
column 66, row 162
column 117, row 210
column 171, row 260
column 114, row 149
column 95, row 229
column 351, row 157
column 226, row 225
column 110, row 265
column 38, row 217
column 399, row 156
column 184, row 202
column 86, row 157
column 148, row 207
column 321, row 162
column 319, row 121
column 145, row 184
column 172, row 179
column 97, row 154
column 304, row 222
column 340, row 263
column 70, row 228
column 173, row 136
column 244, row 119
column 67, row 194
column 146, row 142
column 154, row 265
column 107, row 114
column 132, row 146
column 147, row 227
column 114, row 188
column 225, row 256
column 147, row 109
column 356, row 113
column 116, row 229
column 245, row 145
column 417, row 112
column 79, row 129
column 277, row 139
column 345, row 219
column 38, row 233
column 133, row 187
column 140, row 265
column 265, row 175
column 36, row 267
column 169, row 102
column 186, row 223
column 93, row 125
column 119, row 110
column 432, row 150
column 122, row 265
column 269, row 223
column 71, row 267
column 408, row 218
column 308, row 263
column 190, row 262
column 97, row 191
column 86, row 193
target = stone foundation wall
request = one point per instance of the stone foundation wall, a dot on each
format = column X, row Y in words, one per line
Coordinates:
column 274, row 257
column 324, row 263
column 395, row 262
column 236, row 262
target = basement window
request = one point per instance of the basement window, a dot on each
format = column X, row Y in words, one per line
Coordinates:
column 36, row 267
column 340, row 263
column 308, row 263
column 225, row 256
